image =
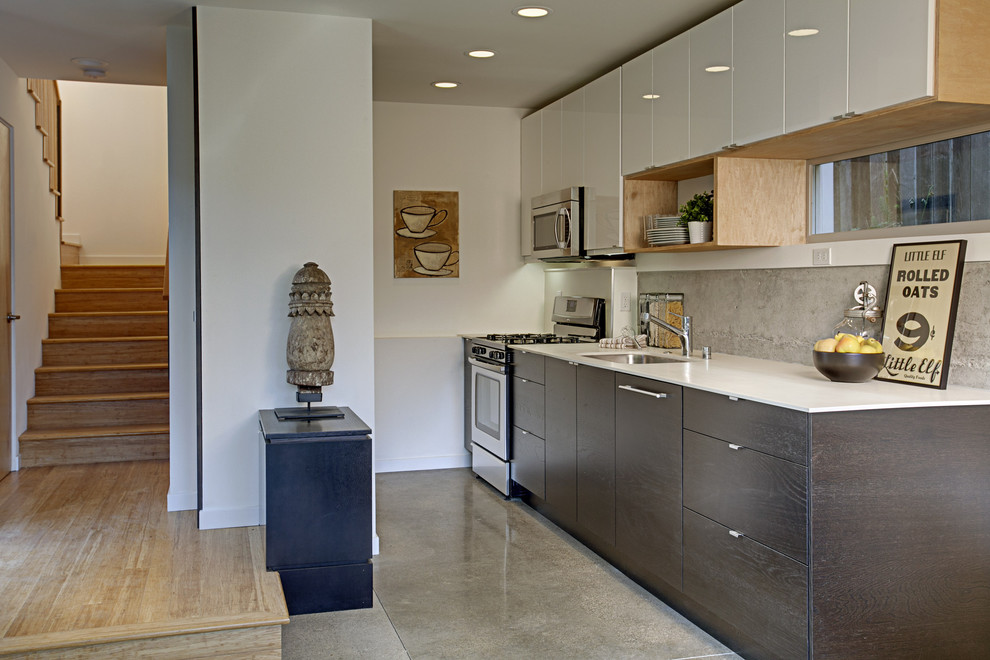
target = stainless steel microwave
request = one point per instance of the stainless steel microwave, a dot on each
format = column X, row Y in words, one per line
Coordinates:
column 558, row 224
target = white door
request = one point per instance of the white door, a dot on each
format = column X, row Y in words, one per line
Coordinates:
column 711, row 84
column 572, row 142
column 551, row 138
column 815, row 65
column 671, row 109
column 603, row 224
column 891, row 52
column 757, row 70
column 530, row 177
column 5, row 363
column 637, row 114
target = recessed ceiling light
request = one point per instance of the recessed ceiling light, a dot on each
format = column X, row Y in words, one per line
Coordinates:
column 651, row 97
column 719, row 68
column 446, row 84
column 481, row 53
column 531, row 11
column 89, row 62
column 803, row 32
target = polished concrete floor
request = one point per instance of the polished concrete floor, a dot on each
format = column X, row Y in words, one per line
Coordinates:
column 465, row 574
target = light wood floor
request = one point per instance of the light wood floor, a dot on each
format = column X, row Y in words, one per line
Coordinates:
column 92, row 565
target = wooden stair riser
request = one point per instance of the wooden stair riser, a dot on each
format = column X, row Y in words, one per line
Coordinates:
column 65, row 415
column 110, row 300
column 100, row 381
column 112, row 277
column 93, row 326
column 124, row 351
column 96, row 449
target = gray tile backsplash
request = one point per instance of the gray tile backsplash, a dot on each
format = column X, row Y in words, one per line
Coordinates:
column 777, row 314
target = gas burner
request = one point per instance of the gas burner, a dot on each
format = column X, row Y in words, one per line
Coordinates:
column 520, row 338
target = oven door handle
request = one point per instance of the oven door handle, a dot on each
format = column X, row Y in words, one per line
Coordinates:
column 487, row 366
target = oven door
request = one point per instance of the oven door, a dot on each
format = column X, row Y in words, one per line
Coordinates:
column 489, row 408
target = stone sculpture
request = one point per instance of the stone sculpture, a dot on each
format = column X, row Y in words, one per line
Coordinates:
column 309, row 349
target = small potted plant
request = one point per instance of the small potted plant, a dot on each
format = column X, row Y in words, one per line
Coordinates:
column 697, row 214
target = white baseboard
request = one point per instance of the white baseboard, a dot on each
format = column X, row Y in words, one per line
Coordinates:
column 125, row 259
column 182, row 501
column 221, row 518
column 423, row 463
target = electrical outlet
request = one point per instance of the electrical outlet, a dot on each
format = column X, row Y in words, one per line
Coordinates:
column 624, row 301
column 821, row 256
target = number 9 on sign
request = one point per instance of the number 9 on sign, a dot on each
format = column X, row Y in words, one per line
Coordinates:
column 914, row 329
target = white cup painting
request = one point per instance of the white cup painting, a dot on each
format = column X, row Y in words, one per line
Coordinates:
column 434, row 257
column 419, row 219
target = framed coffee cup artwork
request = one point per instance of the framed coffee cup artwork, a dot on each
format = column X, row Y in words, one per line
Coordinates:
column 920, row 312
column 425, row 233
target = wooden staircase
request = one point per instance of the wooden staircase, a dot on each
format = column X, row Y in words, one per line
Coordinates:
column 101, row 394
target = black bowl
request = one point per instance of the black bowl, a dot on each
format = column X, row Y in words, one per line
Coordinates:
column 848, row 367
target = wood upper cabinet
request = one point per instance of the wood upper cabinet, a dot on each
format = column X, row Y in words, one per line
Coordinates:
column 637, row 114
column 711, row 84
column 671, row 108
column 815, row 66
column 757, row 70
column 891, row 58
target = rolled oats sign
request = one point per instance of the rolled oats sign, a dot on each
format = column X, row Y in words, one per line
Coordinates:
column 920, row 314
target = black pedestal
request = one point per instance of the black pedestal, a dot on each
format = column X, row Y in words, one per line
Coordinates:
column 318, row 508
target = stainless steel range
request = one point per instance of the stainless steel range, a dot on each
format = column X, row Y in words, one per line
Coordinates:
column 489, row 390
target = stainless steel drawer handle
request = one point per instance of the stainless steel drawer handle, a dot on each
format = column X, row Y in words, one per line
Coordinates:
column 736, row 535
column 573, row 364
column 735, row 447
column 522, row 380
column 733, row 398
column 630, row 388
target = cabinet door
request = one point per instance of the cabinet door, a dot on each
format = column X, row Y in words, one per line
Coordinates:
column 648, row 476
column 891, row 52
column 602, row 170
column 637, row 114
column 815, row 66
column 671, row 108
column 530, row 178
column 527, row 405
column 572, row 139
column 596, row 452
column 561, row 439
column 757, row 70
column 711, row 91
column 551, row 140
column 528, row 462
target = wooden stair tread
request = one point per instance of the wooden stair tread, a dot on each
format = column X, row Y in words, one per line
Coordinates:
column 76, row 368
column 64, row 315
column 112, row 289
column 91, row 432
column 69, row 340
column 82, row 398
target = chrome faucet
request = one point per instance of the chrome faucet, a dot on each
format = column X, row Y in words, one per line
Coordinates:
column 683, row 333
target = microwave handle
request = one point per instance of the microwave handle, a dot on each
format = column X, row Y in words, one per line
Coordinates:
column 561, row 223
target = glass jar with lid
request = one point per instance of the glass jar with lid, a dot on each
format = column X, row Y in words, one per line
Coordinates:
column 865, row 319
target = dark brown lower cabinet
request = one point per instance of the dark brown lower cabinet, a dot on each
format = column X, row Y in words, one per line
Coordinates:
column 758, row 590
column 561, row 441
column 648, row 477
column 596, row 452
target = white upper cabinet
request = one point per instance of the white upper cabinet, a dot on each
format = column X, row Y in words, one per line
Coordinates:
column 551, row 140
column 891, row 43
column 602, row 139
column 637, row 114
column 572, row 140
column 815, row 65
column 711, row 84
column 757, row 70
column 671, row 108
column 530, row 175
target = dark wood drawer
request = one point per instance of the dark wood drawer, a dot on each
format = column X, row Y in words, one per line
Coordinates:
column 529, row 462
column 759, row 591
column 764, row 497
column 528, row 366
column 773, row 430
column 528, row 406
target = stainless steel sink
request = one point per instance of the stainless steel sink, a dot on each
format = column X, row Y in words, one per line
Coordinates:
column 632, row 358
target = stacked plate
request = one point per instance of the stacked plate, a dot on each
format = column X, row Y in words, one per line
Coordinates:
column 663, row 230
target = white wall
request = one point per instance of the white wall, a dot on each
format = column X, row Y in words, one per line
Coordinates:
column 419, row 382
column 35, row 245
column 285, row 177
column 114, row 171
column 183, row 490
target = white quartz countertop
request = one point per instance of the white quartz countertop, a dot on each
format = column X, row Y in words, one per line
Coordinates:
column 777, row 383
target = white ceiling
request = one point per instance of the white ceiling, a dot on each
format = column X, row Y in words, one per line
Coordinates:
column 414, row 41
